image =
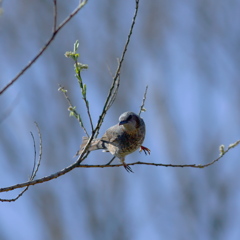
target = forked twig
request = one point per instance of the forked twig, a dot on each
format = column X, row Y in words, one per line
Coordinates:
column 35, row 165
column 72, row 109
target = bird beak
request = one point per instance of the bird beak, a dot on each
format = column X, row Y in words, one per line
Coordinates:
column 122, row 122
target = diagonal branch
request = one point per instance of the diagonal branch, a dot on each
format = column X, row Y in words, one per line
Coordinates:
column 40, row 180
column 55, row 32
column 116, row 79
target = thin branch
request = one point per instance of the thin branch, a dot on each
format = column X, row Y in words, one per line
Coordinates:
column 84, row 90
column 142, row 109
column 72, row 109
column 76, row 164
column 25, row 189
column 114, row 93
column 222, row 153
column 116, row 79
column 41, row 180
column 168, row 165
column 35, row 166
column 35, row 156
column 113, row 89
column 40, row 153
column 55, row 32
column 128, row 39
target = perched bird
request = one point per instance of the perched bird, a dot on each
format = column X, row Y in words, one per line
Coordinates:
column 121, row 139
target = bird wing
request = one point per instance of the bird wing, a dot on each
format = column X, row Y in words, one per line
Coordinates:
column 112, row 134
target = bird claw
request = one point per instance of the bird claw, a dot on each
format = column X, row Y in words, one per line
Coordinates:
column 127, row 167
column 145, row 149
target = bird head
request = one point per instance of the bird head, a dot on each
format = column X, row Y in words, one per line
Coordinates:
column 130, row 121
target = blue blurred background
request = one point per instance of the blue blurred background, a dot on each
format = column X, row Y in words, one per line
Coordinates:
column 188, row 53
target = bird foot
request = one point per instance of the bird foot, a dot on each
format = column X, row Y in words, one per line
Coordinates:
column 145, row 149
column 127, row 167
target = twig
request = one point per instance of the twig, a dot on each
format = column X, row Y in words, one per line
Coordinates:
column 72, row 109
column 40, row 153
column 113, row 89
column 168, row 165
column 142, row 109
column 40, row 180
column 78, row 68
column 35, row 166
column 116, row 79
column 114, row 92
column 55, row 32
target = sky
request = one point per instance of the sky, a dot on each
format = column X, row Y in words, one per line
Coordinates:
column 188, row 54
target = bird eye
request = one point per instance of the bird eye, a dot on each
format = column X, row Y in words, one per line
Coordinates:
column 129, row 118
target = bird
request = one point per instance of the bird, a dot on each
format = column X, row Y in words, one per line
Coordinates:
column 121, row 139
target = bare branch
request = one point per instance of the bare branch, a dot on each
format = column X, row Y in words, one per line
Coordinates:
column 168, row 165
column 55, row 32
column 116, row 79
column 76, row 164
column 113, row 89
column 35, row 166
column 41, row 180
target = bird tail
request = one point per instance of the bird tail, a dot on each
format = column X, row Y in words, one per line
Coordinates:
column 94, row 145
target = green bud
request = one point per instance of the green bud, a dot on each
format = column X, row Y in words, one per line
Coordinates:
column 75, row 47
column 68, row 54
column 221, row 149
column 84, row 90
column 62, row 89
